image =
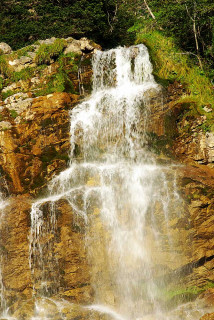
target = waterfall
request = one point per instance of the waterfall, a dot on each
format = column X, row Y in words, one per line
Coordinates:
column 115, row 185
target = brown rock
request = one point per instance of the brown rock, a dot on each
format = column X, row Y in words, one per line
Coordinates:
column 208, row 316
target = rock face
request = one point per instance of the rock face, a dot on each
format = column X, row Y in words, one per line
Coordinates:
column 30, row 147
column 34, row 146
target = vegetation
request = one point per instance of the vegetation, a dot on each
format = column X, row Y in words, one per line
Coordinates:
column 178, row 33
column 47, row 52
column 170, row 64
column 23, row 22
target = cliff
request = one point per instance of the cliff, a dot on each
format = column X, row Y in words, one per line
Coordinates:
column 40, row 84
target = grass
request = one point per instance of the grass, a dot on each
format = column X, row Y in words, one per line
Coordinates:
column 4, row 67
column 7, row 94
column 171, row 64
column 24, row 74
column 57, row 82
column 60, row 81
column 48, row 52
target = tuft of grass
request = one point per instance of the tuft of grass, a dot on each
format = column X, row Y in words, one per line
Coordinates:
column 7, row 94
column 24, row 74
column 1, row 83
column 48, row 52
column 171, row 64
column 4, row 66
column 61, row 81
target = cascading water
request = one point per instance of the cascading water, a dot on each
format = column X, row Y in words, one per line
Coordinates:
column 113, row 182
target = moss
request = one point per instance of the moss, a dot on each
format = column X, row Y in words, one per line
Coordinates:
column 51, row 154
column 13, row 114
column 47, row 122
column 159, row 144
column 38, row 183
column 1, row 83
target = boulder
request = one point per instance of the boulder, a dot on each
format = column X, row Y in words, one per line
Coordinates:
column 22, row 63
column 5, row 48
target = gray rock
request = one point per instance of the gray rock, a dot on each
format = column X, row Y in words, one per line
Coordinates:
column 48, row 41
column 5, row 47
column 210, row 146
column 11, row 87
column 22, row 63
column 85, row 45
column 4, row 125
column 207, row 109
column 74, row 47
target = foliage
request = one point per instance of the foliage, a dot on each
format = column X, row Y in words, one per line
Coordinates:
column 61, row 81
column 189, row 22
column 47, row 52
column 187, row 291
column 171, row 64
column 104, row 21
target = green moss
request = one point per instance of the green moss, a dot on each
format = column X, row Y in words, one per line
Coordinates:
column 51, row 154
column 1, row 83
column 38, row 182
column 13, row 114
column 192, row 291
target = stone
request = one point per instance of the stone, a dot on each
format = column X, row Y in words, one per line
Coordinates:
column 5, row 125
column 207, row 109
column 22, row 63
column 210, row 146
column 208, row 316
column 74, row 47
column 48, row 41
column 11, row 87
column 5, row 48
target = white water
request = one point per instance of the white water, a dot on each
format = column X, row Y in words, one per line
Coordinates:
column 112, row 178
